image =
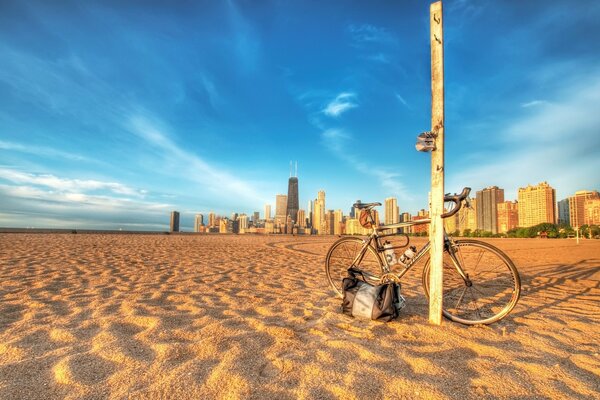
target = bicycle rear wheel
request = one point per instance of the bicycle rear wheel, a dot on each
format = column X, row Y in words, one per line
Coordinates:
column 341, row 256
column 492, row 288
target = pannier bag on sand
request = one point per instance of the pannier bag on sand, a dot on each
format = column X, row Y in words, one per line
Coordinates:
column 363, row 300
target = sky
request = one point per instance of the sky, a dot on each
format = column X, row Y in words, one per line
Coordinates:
column 113, row 114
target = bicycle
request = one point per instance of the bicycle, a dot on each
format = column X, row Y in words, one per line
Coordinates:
column 481, row 283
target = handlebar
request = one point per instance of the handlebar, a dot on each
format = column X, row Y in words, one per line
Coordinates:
column 457, row 199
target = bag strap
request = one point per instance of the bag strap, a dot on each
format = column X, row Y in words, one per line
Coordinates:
column 354, row 271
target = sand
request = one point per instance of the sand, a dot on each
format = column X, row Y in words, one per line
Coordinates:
column 201, row 317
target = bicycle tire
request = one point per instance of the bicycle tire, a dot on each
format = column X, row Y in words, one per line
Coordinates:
column 497, row 286
column 340, row 256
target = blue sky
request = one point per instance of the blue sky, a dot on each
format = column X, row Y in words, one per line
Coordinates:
column 112, row 114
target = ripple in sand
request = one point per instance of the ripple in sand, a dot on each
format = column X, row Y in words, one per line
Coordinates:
column 85, row 369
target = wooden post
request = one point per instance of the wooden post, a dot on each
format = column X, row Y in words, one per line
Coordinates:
column 436, row 229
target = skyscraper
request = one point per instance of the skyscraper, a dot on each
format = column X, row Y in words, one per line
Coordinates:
column 280, row 209
column 487, row 210
column 319, row 213
column 391, row 211
column 267, row 212
column 310, row 213
column 563, row 212
column 338, row 217
column 577, row 206
column 302, row 218
column 212, row 220
column 255, row 218
column 537, row 205
column 174, row 221
column 292, row 199
column 198, row 222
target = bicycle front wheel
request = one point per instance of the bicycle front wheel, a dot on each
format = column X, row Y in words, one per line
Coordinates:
column 343, row 254
column 491, row 288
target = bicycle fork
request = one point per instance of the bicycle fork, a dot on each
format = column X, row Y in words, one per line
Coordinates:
column 452, row 250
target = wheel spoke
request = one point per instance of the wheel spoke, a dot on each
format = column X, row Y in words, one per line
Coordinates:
column 495, row 292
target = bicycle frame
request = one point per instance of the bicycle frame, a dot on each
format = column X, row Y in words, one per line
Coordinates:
column 375, row 238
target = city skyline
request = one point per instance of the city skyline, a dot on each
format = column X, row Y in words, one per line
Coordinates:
column 113, row 115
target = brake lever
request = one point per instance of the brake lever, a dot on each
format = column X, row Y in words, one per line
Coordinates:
column 468, row 203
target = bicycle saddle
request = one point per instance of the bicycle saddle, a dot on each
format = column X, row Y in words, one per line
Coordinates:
column 362, row 206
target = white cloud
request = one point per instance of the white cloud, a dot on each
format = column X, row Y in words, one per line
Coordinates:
column 533, row 103
column 67, row 185
column 28, row 206
column 556, row 142
column 196, row 169
column 342, row 103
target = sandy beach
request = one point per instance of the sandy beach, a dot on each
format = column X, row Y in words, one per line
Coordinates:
column 100, row 316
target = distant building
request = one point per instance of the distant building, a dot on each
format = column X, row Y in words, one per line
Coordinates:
column 243, row 223
column 467, row 217
column 198, row 222
column 212, row 220
column 420, row 228
column 280, row 209
column 392, row 211
column 255, row 218
column 592, row 211
column 174, row 227
column 577, row 206
column 563, row 212
column 338, row 224
column 267, row 212
column 537, row 204
column 292, row 199
column 302, row 218
column 310, row 214
column 319, row 222
column 487, row 210
column 508, row 216
column 405, row 217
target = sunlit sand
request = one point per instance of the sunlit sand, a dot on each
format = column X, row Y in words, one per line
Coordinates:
column 191, row 317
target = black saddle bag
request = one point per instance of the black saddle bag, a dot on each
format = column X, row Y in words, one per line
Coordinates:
column 364, row 300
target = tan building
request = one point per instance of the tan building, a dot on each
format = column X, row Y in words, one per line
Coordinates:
column 243, row 221
column 451, row 224
column 319, row 223
column 487, row 212
column 391, row 211
column 467, row 217
column 592, row 211
column 302, row 218
column 280, row 209
column 353, row 227
column 537, row 205
column 577, row 206
column 338, row 217
column 267, row 212
column 212, row 219
column 508, row 216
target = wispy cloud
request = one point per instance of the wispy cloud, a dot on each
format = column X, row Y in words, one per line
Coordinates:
column 341, row 144
column 367, row 33
column 29, row 206
column 65, row 185
column 342, row 103
column 213, row 179
column 533, row 103
column 41, row 151
column 555, row 142
column 401, row 100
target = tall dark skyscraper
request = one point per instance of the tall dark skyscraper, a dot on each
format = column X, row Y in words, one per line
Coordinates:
column 174, row 221
column 292, row 198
